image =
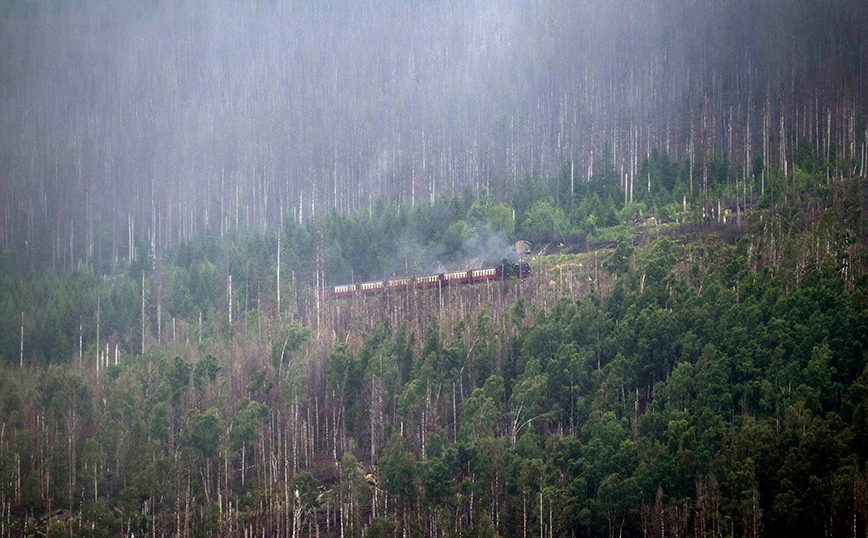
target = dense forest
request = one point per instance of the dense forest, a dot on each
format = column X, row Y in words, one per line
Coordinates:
column 663, row 372
column 687, row 358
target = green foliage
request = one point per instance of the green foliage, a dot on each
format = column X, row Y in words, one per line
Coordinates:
column 479, row 413
column 713, row 384
column 497, row 216
column 380, row 527
column 290, row 340
column 621, row 260
column 203, row 432
column 660, row 261
column 399, row 468
column 604, row 181
column 544, row 223
column 303, row 488
column 246, row 422
column 483, row 529
column 526, row 193
column 178, row 378
column 206, row 370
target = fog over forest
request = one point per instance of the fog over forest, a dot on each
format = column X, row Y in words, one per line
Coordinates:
column 263, row 268
column 163, row 119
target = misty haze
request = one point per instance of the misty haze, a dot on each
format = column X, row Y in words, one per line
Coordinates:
column 175, row 117
column 433, row 268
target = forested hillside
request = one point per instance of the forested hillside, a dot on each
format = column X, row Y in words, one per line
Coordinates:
column 181, row 179
column 684, row 376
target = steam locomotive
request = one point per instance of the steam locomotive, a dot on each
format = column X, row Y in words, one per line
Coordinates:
column 505, row 270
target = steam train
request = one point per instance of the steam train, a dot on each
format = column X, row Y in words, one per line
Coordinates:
column 505, row 270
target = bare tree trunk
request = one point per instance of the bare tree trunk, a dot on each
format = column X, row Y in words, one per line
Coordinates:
column 766, row 127
column 278, row 273
column 97, row 333
column 159, row 310
column 177, row 499
column 783, row 152
column 187, row 507
column 295, row 432
column 454, row 415
column 286, row 499
column 131, row 248
column 143, row 312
